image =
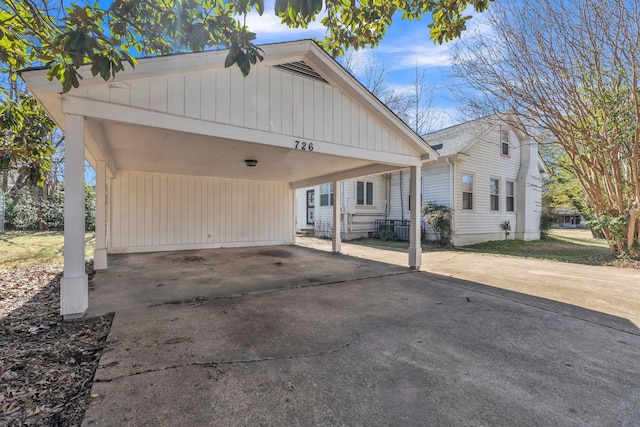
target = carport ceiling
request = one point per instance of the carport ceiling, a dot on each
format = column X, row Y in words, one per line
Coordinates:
column 147, row 149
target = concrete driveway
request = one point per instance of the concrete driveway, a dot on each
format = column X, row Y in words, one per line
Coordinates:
column 357, row 348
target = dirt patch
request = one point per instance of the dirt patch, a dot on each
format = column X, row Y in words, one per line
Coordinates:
column 191, row 258
column 46, row 364
column 633, row 264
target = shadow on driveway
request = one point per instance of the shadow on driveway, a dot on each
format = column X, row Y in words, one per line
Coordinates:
column 402, row 349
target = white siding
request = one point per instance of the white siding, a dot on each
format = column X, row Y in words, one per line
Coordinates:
column 485, row 162
column 151, row 212
column 268, row 99
column 355, row 223
column 436, row 183
column 399, row 200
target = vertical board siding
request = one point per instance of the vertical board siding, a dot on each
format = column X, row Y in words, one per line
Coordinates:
column 268, row 99
column 158, row 95
column 192, row 92
column 208, row 97
column 140, row 95
column 223, row 96
column 152, row 211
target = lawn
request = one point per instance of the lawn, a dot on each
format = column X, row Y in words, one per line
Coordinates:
column 565, row 245
column 26, row 249
column 576, row 246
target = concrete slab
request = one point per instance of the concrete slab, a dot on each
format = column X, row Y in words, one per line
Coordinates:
column 268, row 336
column 408, row 349
column 139, row 280
column 614, row 291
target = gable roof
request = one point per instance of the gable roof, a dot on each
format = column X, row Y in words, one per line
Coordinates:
column 459, row 138
column 303, row 57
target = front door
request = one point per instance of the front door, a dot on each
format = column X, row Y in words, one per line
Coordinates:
column 310, row 207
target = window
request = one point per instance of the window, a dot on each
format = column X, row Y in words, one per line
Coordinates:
column 467, row 191
column 511, row 200
column 326, row 195
column 364, row 193
column 494, row 189
column 504, row 140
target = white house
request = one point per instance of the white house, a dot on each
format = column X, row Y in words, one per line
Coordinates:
column 487, row 173
column 189, row 154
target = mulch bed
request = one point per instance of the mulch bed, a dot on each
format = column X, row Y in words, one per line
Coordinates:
column 46, row 364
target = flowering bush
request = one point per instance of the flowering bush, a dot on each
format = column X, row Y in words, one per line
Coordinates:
column 439, row 218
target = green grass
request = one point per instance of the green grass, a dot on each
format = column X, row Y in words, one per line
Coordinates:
column 25, row 249
column 575, row 246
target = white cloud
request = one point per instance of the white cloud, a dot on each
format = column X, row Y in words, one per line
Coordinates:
column 268, row 27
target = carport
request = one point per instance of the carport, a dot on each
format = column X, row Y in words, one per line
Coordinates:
column 189, row 154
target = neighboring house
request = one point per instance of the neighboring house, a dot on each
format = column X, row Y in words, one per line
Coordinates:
column 488, row 173
column 567, row 218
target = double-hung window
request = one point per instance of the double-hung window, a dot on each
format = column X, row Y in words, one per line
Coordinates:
column 511, row 199
column 326, row 195
column 467, row 191
column 364, row 193
column 504, row 142
column 494, row 188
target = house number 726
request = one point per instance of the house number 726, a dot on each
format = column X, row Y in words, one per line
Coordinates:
column 306, row 146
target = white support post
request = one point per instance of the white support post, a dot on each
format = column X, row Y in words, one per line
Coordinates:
column 415, row 244
column 336, row 242
column 100, row 252
column 74, row 291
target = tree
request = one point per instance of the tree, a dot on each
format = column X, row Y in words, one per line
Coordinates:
column 373, row 75
column 26, row 144
column 571, row 68
column 562, row 189
column 422, row 117
column 41, row 32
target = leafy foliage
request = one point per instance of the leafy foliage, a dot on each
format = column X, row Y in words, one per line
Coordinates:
column 23, row 211
column 439, row 218
column 41, row 32
column 26, row 143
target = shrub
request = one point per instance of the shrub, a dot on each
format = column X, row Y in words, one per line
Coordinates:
column 89, row 208
column 439, row 217
column 21, row 211
column 53, row 210
column 545, row 225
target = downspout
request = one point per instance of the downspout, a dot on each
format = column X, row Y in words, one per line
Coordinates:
column 401, row 198
column 452, row 196
column 387, row 202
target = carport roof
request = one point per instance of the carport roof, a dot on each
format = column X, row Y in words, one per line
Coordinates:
column 141, row 137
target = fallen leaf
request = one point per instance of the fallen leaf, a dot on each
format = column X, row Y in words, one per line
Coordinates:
column 288, row 385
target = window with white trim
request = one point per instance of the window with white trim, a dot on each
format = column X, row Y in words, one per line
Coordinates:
column 511, row 198
column 494, row 191
column 467, row 191
column 504, row 142
column 364, row 193
column 326, row 195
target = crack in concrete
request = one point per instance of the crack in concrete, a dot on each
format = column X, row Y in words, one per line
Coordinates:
column 215, row 364
column 289, row 288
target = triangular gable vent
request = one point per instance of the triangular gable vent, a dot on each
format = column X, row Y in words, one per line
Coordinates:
column 302, row 69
